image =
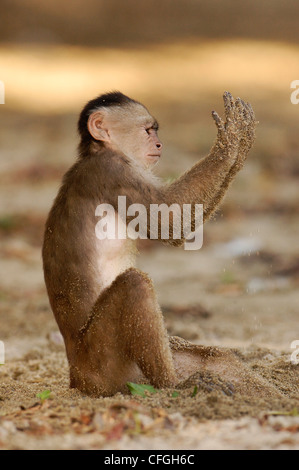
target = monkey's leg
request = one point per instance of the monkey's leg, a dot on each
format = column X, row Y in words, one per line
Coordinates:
column 124, row 336
column 216, row 368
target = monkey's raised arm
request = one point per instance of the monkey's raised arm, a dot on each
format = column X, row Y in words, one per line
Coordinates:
column 207, row 181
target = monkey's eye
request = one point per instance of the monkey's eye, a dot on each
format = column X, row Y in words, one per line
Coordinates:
column 148, row 130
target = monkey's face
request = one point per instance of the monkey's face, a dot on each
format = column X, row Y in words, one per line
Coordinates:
column 130, row 130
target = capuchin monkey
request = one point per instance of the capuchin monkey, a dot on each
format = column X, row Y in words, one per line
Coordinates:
column 107, row 309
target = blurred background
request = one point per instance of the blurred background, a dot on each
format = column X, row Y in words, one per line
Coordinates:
column 177, row 57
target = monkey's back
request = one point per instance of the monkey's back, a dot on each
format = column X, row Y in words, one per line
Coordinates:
column 69, row 254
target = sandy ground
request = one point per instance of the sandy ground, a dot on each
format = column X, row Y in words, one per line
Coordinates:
column 258, row 318
column 239, row 291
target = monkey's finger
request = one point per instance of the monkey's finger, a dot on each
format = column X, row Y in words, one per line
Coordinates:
column 252, row 121
column 209, row 383
column 246, row 112
column 242, row 105
column 218, row 121
column 229, row 106
column 229, row 390
column 246, row 117
column 228, row 100
column 252, row 115
column 239, row 110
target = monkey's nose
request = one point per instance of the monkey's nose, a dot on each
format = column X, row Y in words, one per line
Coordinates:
column 159, row 145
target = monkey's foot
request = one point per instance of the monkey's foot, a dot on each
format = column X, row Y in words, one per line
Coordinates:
column 207, row 382
column 217, row 368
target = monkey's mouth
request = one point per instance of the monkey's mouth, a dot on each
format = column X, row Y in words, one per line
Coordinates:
column 155, row 156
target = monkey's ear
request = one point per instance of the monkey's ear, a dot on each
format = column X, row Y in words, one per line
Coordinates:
column 95, row 127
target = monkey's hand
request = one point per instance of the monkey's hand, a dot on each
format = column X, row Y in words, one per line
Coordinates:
column 236, row 135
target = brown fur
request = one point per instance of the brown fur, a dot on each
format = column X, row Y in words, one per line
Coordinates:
column 114, row 332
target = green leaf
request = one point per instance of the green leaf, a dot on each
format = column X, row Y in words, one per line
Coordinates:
column 175, row 394
column 140, row 389
column 45, row 395
column 293, row 412
column 7, row 222
column 195, row 390
column 228, row 277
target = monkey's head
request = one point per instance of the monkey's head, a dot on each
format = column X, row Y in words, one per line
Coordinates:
column 117, row 122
